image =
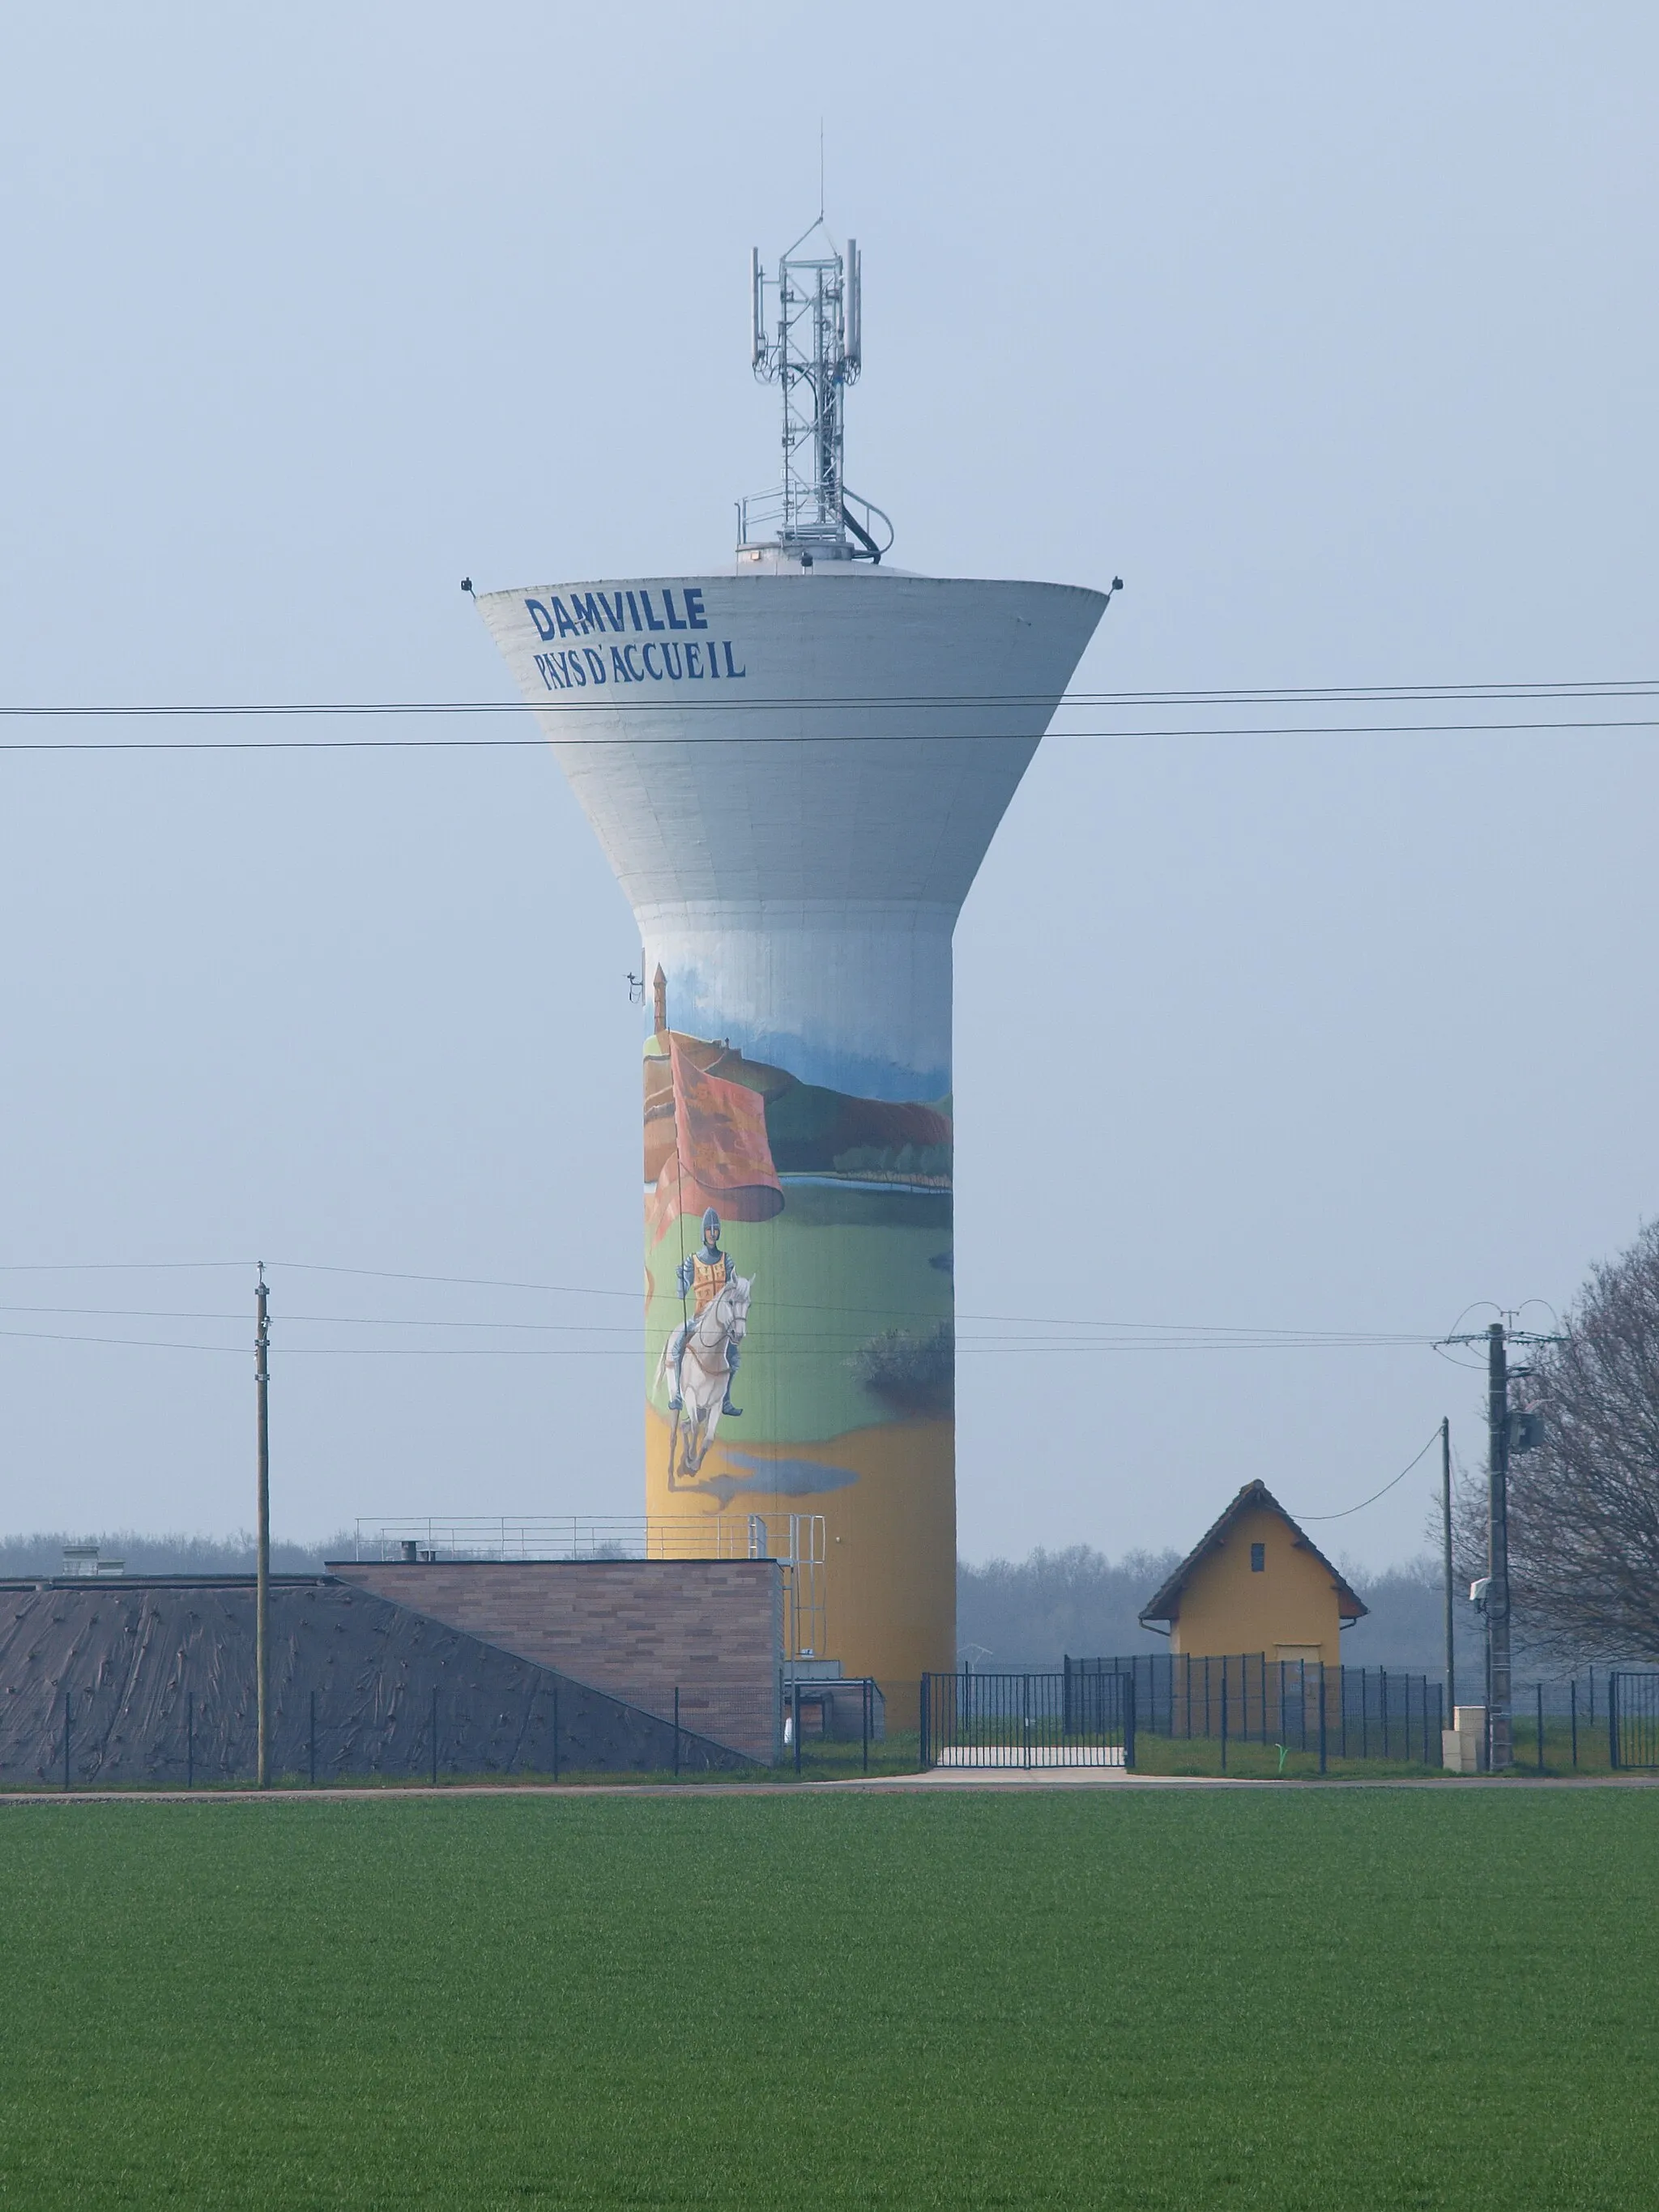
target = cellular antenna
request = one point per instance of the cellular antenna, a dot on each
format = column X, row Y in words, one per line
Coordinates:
column 813, row 350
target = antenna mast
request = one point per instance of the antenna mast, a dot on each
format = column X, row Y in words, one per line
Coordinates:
column 813, row 350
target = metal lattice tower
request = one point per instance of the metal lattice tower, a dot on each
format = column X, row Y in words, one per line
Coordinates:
column 813, row 350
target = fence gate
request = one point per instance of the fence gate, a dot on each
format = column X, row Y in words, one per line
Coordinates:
column 1067, row 1719
column 1632, row 1720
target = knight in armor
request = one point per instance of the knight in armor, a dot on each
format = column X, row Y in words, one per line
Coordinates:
column 702, row 1276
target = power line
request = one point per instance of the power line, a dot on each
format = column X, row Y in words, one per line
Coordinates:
column 1102, row 1335
column 111, row 1267
column 466, row 1282
column 815, row 1347
column 138, row 1343
column 1592, row 686
column 953, row 738
column 1376, row 1494
column 1033, row 1321
column 1100, row 1332
column 1273, row 694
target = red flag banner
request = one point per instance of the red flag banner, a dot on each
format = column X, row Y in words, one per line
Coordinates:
column 662, row 1206
column 721, row 1156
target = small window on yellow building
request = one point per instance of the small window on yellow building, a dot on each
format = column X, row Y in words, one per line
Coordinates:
column 1258, row 1558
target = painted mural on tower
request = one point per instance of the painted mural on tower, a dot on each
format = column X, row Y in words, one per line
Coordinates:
column 798, row 1279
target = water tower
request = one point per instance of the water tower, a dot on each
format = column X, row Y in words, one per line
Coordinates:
column 795, row 766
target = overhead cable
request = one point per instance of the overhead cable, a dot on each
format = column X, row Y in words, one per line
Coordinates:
column 1272, row 694
column 951, row 738
column 1376, row 1494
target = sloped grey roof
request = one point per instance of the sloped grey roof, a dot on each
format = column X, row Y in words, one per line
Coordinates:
column 152, row 1670
column 1166, row 1603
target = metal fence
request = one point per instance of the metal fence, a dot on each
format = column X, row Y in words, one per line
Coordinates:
column 835, row 1709
column 1341, row 1712
column 1064, row 1719
column 1380, row 1712
column 1576, row 1709
column 1632, row 1720
column 430, row 1734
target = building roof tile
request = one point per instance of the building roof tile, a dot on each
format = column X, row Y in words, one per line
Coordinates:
column 1166, row 1602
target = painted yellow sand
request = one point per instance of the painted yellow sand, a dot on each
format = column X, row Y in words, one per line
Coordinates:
column 891, row 1549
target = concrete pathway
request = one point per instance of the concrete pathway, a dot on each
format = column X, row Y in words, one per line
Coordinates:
column 1000, row 1780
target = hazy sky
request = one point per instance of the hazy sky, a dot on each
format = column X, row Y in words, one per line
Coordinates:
column 1331, row 331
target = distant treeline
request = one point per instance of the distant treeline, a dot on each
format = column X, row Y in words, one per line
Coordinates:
column 1027, row 1613
column 42, row 1554
column 1010, row 1613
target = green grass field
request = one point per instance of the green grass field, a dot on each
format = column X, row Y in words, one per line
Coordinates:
column 1288, row 1998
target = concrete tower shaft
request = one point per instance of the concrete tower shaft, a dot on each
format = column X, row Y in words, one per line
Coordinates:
column 795, row 773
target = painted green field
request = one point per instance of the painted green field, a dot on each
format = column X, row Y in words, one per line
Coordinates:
column 1285, row 1999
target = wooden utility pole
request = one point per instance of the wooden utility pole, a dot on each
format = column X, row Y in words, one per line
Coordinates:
column 262, row 1571
column 1446, row 1526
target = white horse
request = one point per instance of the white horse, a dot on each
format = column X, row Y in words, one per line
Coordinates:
column 704, row 1375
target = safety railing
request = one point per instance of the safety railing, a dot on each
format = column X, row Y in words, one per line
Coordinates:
column 796, row 1541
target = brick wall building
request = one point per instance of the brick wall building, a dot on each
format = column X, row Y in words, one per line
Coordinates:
column 638, row 1629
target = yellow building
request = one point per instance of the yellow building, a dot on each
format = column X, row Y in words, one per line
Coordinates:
column 1254, row 1584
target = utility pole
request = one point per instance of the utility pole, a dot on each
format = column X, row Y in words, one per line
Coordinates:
column 262, row 1572
column 1503, row 1435
column 1500, row 1748
column 1446, row 1526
